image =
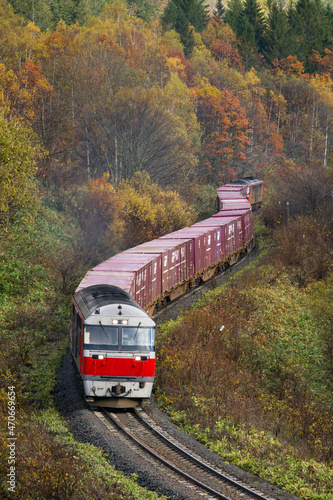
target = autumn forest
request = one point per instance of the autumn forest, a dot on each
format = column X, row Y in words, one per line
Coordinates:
column 118, row 121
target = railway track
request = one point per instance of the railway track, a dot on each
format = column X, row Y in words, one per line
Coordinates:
column 182, row 465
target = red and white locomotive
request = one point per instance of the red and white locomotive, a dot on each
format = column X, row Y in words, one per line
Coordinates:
column 112, row 333
column 113, row 346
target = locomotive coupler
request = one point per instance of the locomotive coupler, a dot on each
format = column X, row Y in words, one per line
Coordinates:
column 119, row 391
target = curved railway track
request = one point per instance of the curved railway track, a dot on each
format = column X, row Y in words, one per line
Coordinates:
column 184, row 465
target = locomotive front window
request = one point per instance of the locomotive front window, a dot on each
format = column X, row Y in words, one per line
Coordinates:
column 101, row 337
column 138, row 339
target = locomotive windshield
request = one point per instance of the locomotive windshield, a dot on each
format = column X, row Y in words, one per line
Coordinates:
column 118, row 338
column 101, row 337
column 137, row 339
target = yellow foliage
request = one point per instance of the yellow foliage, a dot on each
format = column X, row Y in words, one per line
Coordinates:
column 150, row 212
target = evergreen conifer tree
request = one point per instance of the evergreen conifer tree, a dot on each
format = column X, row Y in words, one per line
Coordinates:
column 180, row 14
column 255, row 23
column 247, row 21
column 144, row 9
column 233, row 15
column 278, row 40
column 219, row 10
column 312, row 28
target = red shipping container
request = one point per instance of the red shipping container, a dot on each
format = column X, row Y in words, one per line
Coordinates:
column 246, row 221
column 231, row 233
column 204, row 246
column 136, row 280
column 217, row 236
column 234, row 233
column 126, row 282
column 141, row 272
column 131, row 262
column 234, row 187
column 235, row 204
column 232, row 194
column 173, row 268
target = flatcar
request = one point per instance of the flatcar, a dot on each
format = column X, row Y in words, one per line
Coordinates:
column 112, row 331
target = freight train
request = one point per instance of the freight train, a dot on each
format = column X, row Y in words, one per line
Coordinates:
column 112, row 333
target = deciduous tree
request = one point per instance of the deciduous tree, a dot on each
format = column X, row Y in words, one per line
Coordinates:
column 136, row 131
column 222, row 42
column 18, row 155
column 224, row 128
column 149, row 211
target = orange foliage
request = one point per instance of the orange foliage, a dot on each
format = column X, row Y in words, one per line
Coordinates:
column 322, row 64
column 30, row 75
column 105, row 38
column 56, row 43
column 21, row 92
column 104, row 199
column 223, row 122
column 290, row 65
column 222, row 43
column 99, row 217
column 276, row 140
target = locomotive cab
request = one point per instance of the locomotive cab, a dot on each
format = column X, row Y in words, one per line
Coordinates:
column 116, row 357
column 254, row 190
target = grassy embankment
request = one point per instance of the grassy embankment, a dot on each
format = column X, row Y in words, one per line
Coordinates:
column 248, row 372
column 34, row 318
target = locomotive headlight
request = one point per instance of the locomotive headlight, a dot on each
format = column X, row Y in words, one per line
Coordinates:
column 137, row 358
column 120, row 322
column 100, row 356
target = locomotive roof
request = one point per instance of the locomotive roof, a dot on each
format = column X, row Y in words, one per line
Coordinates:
column 91, row 298
column 246, row 180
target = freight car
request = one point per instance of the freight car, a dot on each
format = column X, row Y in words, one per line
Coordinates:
column 112, row 333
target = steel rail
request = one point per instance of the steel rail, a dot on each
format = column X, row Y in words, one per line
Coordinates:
column 104, row 415
column 198, row 462
column 129, row 434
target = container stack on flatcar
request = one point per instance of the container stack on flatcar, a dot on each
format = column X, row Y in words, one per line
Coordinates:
column 112, row 333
